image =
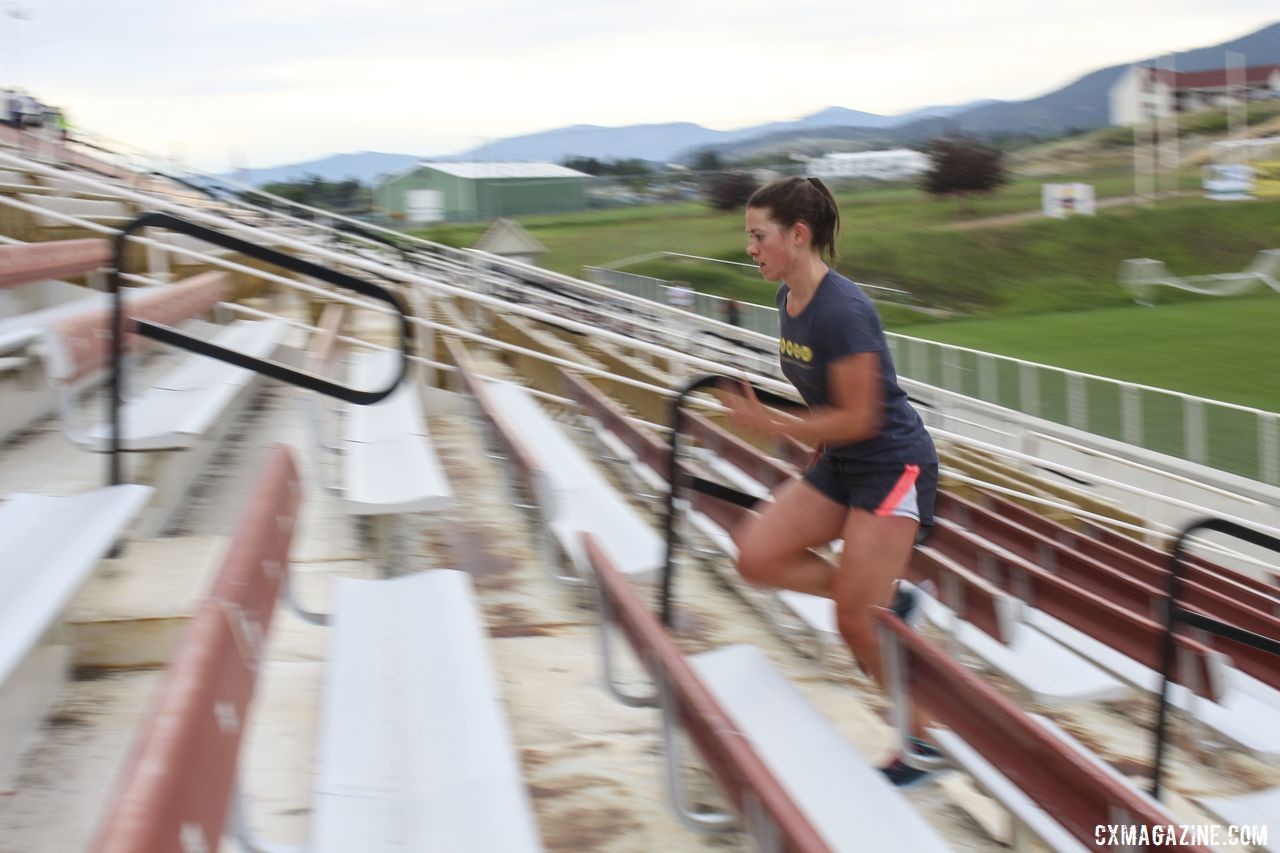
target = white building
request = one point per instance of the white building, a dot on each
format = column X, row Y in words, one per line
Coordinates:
column 896, row 164
column 1143, row 92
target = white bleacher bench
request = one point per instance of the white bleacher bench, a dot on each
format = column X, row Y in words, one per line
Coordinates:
column 1247, row 713
column 19, row 332
column 1030, row 818
column 29, row 283
column 1210, row 689
column 794, row 780
column 1049, row 672
column 48, row 548
column 1256, row 809
column 573, row 496
column 414, row 748
column 642, row 457
column 850, row 803
column 389, row 463
column 114, row 214
column 179, row 418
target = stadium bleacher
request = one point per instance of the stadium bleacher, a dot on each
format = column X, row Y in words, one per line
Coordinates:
column 448, row 699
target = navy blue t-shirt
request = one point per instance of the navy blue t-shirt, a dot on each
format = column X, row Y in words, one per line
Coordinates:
column 840, row 321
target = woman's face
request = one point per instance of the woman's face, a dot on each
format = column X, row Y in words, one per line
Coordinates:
column 773, row 247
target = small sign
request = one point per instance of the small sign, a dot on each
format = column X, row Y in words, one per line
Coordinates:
column 1227, row 181
column 1063, row 200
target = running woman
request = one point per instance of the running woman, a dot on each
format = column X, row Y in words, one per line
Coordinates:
column 875, row 477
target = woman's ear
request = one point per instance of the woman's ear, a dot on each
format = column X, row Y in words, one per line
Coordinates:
column 801, row 233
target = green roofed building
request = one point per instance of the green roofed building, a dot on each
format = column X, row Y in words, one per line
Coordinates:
column 446, row 191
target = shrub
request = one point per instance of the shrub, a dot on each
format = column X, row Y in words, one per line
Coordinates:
column 729, row 190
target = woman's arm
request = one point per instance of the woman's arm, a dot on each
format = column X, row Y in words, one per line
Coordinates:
column 855, row 414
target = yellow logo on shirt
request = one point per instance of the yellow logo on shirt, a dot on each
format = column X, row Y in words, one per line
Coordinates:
column 791, row 349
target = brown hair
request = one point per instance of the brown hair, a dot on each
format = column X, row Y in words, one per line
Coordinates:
column 806, row 200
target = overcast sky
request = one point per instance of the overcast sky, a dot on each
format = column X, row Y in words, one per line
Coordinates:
column 266, row 82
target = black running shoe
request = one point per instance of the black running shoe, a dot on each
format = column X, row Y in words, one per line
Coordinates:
column 906, row 603
column 904, row 776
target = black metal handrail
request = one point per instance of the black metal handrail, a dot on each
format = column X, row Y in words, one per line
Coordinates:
column 678, row 478
column 274, row 369
column 1176, row 615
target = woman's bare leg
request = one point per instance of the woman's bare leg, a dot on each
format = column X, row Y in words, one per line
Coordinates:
column 876, row 552
column 773, row 547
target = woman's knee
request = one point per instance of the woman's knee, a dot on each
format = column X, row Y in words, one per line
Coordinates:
column 856, row 624
column 754, row 562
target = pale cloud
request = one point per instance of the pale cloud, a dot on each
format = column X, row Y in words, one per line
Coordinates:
column 284, row 80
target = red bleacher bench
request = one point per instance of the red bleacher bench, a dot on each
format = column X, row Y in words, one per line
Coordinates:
column 792, row 779
column 1053, row 788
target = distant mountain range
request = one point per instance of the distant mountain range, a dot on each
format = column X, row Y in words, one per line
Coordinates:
column 1081, row 105
column 659, row 143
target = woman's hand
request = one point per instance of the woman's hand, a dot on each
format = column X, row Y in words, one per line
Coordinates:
column 746, row 410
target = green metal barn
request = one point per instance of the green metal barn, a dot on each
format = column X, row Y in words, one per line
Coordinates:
column 446, row 191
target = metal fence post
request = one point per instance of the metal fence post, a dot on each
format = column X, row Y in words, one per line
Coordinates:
column 951, row 369
column 1077, row 402
column 1193, row 429
column 1029, row 386
column 920, row 353
column 988, row 379
column 1130, row 414
column 1269, row 447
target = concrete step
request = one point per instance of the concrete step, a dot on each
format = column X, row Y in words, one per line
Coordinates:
column 132, row 611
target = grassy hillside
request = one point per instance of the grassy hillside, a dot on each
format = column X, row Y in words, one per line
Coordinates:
column 901, row 238
column 1038, row 289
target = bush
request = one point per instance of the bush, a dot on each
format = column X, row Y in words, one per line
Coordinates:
column 729, row 190
column 963, row 167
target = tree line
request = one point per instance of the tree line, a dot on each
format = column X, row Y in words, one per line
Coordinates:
column 349, row 196
column 960, row 167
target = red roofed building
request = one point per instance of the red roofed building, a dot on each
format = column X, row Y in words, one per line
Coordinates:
column 1143, row 92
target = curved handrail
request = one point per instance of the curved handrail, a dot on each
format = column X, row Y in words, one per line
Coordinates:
column 274, row 369
column 677, row 477
column 1175, row 615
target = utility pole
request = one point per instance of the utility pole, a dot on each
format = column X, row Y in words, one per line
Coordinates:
column 1167, row 129
column 1143, row 128
column 1237, row 109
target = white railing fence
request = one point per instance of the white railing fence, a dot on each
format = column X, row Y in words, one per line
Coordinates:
column 1237, row 439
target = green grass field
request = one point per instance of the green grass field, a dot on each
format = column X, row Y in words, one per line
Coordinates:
column 1223, row 349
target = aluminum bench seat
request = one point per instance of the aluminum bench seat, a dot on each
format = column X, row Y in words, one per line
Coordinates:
column 181, row 417
column 389, row 464
column 1247, row 713
column 574, row 496
column 414, row 749
column 180, row 409
column 1027, row 815
column 1255, row 809
column 848, row 801
column 50, row 546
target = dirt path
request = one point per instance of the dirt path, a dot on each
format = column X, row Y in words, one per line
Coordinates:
column 1032, row 215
